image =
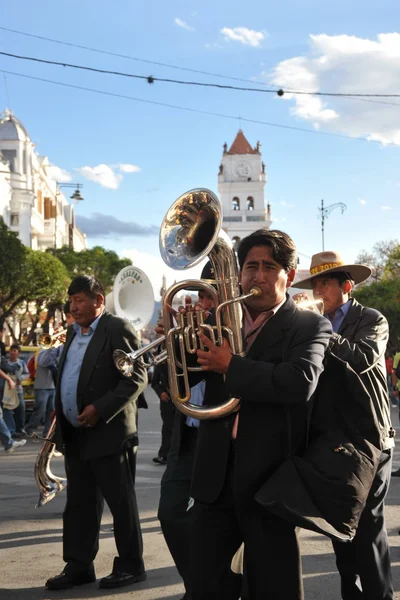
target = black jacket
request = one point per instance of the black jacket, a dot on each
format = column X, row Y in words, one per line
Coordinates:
column 326, row 487
column 101, row 384
column 361, row 342
column 281, row 369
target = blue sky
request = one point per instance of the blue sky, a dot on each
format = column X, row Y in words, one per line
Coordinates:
column 351, row 51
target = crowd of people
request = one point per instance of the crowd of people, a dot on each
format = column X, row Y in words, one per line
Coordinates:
column 300, row 380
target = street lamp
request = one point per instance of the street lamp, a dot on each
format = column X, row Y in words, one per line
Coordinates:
column 325, row 211
column 77, row 196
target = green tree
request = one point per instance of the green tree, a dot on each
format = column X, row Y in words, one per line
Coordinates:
column 378, row 258
column 28, row 276
column 384, row 296
column 103, row 264
column 13, row 255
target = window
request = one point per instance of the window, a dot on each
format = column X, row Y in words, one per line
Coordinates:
column 10, row 156
column 232, row 219
column 39, row 201
column 49, row 209
column 235, row 203
column 14, row 220
column 250, row 203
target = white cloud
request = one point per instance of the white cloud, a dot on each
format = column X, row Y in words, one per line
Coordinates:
column 183, row 24
column 287, row 205
column 155, row 268
column 103, row 175
column 127, row 168
column 345, row 64
column 362, row 201
column 385, row 207
column 58, row 174
column 248, row 37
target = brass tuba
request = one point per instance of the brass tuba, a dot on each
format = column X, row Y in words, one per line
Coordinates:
column 191, row 231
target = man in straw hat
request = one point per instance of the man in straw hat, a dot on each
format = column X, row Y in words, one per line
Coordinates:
column 359, row 339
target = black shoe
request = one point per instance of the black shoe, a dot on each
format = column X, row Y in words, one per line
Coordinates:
column 160, row 460
column 118, row 579
column 396, row 473
column 63, row 581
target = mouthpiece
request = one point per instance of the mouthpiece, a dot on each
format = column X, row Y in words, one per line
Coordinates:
column 255, row 291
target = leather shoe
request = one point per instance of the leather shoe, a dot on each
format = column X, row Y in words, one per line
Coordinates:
column 118, row 579
column 63, row 581
column 396, row 473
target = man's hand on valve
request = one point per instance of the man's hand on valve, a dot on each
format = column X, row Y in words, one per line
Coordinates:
column 217, row 358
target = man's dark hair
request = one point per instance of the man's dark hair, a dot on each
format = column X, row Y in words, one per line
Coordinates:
column 67, row 308
column 87, row 284
column 15, row 347
column 282, row 246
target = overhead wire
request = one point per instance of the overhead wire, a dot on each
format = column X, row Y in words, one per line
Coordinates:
column 191, row 109
column 151, row 79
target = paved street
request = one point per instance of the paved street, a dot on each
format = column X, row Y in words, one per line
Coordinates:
column 30, row 539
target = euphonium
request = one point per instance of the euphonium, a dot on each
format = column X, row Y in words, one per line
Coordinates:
column 49, row 484
column 189, row 233
column 46, row 340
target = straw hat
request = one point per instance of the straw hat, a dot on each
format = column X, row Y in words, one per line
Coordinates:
column 331, row 262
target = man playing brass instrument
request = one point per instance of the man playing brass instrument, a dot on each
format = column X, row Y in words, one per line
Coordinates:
column 235, row 454
column 359, row 339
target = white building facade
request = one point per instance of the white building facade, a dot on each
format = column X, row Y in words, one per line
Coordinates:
column 241, row 183
column 31, row 203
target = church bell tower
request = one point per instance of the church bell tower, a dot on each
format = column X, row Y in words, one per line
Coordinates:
column 241, row 182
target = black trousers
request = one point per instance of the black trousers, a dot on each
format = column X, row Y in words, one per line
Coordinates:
column 167, row 410
column 364, row 564
column 173, row 513
column 272, row 562
column 90, row 482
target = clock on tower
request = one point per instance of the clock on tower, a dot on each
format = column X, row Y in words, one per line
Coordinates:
column 242, row 169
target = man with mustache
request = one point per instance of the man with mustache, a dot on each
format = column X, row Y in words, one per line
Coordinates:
column 96, row 409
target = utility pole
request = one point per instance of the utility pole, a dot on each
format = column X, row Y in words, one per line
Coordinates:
column 325, row 211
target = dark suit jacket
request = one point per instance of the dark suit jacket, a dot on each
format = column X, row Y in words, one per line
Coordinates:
column 279, row 373
column 361, row 342
column 101, row 384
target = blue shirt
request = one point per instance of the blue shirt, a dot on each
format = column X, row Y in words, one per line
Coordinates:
column 339, row 316
column 196, row 397
column 72, row 370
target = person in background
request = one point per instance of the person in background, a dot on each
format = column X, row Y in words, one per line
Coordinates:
column 15, row 418
column 360, row 336
column 159, row 383
column 3, row 351
column 174, row 510
column 45, row 383
column 5, row 436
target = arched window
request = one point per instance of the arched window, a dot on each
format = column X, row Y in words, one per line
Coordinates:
column 250, row 203
column 236, row 241
column 235, row 203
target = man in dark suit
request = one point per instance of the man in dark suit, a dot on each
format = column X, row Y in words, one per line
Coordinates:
column 174, row 508
column 159, row 383
column 236, row 454
column 96, row 430
column 359, row 339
